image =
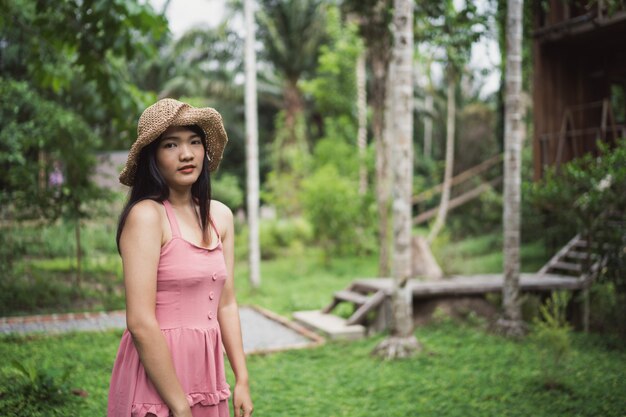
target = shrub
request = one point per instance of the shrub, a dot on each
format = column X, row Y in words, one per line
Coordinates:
column 342, row 219
column 280, row 235
column 35, row 392
column 551, row 334
column 226, row 189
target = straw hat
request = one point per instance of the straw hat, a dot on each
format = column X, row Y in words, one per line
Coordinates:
column 169, row 112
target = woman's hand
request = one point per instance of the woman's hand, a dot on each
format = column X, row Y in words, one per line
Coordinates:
column 242, row 403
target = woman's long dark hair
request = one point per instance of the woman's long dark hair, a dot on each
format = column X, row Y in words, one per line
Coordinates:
column 149, row 184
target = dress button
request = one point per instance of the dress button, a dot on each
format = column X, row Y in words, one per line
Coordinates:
column 211, row 295
column 210, row 315
column 214, row 277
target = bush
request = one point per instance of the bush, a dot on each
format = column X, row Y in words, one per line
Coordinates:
column 281, row 235
column 551, row 334
column 35, row 392
column 342, row 219
column 226, row 189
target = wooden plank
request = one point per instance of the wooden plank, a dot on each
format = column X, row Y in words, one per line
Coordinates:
column 463, row 176
column 457, row 201
column 362, row 311
column 351, row 296
column 567, row 266
column 472, row 284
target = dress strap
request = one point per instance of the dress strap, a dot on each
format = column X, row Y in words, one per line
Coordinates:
column 171, row 217
column 215, row 227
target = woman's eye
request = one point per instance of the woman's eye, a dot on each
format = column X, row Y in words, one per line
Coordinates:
column 169, row 145
column 196, row 142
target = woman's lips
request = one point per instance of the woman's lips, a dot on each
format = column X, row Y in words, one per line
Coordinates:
column 187, row 169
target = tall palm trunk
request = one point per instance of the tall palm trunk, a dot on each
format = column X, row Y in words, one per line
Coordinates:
column 512, row 324
column 361, row 104
column 380, row 66
column 252, row 149
column 447, row 177
column 428, row 126
column 402, row 342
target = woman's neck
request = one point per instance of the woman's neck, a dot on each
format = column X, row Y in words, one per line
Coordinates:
column 180, row 197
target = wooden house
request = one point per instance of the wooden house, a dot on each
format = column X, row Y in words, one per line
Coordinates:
column 579, row 78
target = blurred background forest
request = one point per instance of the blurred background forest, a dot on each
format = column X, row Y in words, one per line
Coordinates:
column 74, row 76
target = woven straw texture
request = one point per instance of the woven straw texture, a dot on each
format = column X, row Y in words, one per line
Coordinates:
column 169, row 112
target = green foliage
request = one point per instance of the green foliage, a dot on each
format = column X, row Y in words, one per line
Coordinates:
column 87, row 74
column 454, row 31
column 336, row 69
column 551, row 334
column 227, row 190
column 291, row 33
column 291, row 164
column 38, row 391
column 341, row 217
column 587, row 196
column 289, row 235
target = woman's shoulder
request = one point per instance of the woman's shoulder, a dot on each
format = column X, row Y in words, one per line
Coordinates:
column 146, row 212
column 220, row 209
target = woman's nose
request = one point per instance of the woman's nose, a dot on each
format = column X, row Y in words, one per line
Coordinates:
column 185, row 152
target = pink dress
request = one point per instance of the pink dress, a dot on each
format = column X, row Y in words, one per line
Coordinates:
column 189, row 284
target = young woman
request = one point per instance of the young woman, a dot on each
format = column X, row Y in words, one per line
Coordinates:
column 177, row 251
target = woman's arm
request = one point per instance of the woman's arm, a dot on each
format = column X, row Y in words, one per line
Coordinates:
column 140, row 245
column 228, row 316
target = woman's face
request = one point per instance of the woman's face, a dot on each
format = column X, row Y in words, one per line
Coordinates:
column 179, row 156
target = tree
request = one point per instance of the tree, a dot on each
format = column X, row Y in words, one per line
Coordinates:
column 511, row 323
column 252, row 148
column 455, row 32
column 62, row 93
column 292, row 33
column 402, row 342
column 374, row 17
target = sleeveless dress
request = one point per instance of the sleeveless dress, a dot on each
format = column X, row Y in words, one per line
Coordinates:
column 189, row 284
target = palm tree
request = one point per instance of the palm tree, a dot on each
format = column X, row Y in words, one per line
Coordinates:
column 402, row 342
column 252, row 148
column 511, row 324
column 374, row 18
column 456, row 31
column 292, row 32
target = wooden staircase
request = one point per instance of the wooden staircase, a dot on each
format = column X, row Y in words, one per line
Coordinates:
column 577, row 258
column 354, row 327
column 573, row 268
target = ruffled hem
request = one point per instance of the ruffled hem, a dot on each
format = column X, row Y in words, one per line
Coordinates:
column 204, row 399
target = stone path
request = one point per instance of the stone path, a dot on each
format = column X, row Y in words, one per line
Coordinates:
column 263, row 331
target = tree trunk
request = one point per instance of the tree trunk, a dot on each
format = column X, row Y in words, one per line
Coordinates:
column 447, row 177
column 402, row 342
column 79, row 255
column 362, row 121
column 511, row 323
column 383, row 196
column 428, row 127
column 252, row 149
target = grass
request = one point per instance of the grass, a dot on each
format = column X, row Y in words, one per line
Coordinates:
column 463, row 371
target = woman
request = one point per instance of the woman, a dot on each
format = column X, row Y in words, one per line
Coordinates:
column 177, row 251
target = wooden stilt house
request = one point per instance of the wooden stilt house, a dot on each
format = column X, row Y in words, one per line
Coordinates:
column 579, row 78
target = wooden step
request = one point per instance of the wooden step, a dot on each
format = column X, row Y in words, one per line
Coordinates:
column 580, row 255
column 566, row 266
column 371, row 304
column 351, row 296
column 329, row 325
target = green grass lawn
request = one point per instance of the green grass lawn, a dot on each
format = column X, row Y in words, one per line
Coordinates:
column 462, row 371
